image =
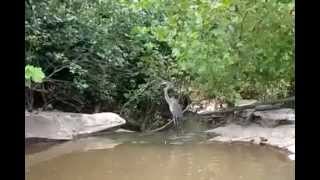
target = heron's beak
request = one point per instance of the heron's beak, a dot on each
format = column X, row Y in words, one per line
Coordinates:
column 164, row 83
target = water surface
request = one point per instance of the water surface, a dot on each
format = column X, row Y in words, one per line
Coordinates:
column 134, row 157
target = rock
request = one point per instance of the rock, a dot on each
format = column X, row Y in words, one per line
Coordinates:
column 267, row 107
column 281, row 136
column 65, row 126
column 244, row 117
column 292, row 157
column 124, row 131
column 272, row 118
column 292, row 148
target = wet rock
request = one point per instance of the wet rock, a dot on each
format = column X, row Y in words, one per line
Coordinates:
column 66, row 126
column 267, row 107
column 265, row 118
column 282, row 136
column 124, row 131
column 244, row 117
column 292, row 157
column 292, row 148
column 272, row 118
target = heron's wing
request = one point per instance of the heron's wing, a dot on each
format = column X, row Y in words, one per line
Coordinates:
column 177, row 107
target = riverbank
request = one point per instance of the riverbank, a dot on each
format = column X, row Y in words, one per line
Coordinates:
column 272, row 127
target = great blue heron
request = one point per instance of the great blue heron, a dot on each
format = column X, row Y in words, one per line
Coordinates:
column 174, row 106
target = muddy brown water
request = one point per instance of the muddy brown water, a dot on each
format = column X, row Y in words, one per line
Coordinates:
column 130, row 156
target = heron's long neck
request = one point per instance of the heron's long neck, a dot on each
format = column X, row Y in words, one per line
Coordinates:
column 166, row 96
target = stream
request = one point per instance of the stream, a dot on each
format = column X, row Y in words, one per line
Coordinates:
column 161, row 156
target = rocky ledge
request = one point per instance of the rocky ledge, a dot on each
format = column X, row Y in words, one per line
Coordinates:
column 66, row 126
column 259, row 124
column 281, row 136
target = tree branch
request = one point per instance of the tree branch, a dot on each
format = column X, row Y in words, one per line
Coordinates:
column 57, row 70
column 161, row 128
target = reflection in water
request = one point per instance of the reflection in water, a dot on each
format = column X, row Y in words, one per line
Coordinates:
column 156, row 161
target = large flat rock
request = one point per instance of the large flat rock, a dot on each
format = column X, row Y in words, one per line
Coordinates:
column 65, row 126
column 280, row 136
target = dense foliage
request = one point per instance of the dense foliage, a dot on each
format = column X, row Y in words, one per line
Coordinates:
column 232, row 48
column 108, row 55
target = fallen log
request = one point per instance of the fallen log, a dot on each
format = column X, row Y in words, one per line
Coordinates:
column 160, row 128
column 260, row 106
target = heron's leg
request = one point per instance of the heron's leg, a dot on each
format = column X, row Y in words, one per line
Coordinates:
column 179, row 125
column 175, row 123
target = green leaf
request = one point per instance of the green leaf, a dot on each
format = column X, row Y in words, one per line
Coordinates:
column 34, row 74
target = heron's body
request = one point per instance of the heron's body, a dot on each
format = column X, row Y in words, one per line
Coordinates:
column 174, row 107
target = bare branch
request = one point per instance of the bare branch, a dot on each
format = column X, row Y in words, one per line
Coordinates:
column 159, row 129
column 56, row 80
column 57, row 70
